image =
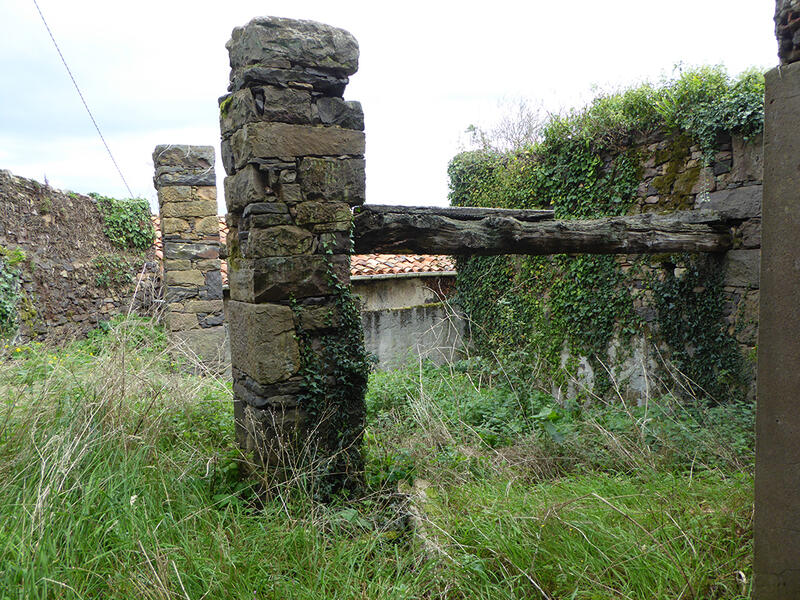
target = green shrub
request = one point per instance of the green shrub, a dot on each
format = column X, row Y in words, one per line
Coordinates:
column 126, row 222
column 9, row 291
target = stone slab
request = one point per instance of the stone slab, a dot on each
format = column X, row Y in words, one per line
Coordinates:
column 320, row 81
column 738, row 203
column 264, row 103
column 209, row 345
column 192, row 208
column 283, row 43
column 183, row 165
column 336, row 111
column 283, row 393
column 191, row 250
column 174, row 193
column 275, row 140
column 181, row 321
column 748, row 159
column 333, row 179
column 247, row 186
column 263, row 343
column 742, row 268
column 280, row 240
column 283, row 278
column 186, row 157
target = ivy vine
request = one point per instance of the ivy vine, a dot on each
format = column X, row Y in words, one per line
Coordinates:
column 126, row 222
column 334, row 372
column 9, row 291
column 689, row 314
column 112, row 271
column 585, row 165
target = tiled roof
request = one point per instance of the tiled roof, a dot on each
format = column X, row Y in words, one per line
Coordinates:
column 360, row 265
column 384, row 264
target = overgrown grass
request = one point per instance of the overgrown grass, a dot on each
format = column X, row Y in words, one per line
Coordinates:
column 119, row 479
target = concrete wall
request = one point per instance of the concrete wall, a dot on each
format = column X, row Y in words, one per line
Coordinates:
column 406, row 317
column 396, row 336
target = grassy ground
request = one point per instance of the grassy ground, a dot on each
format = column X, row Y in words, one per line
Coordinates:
column 119, row 479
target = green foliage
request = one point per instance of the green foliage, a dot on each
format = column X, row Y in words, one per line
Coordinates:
column 333, row 380
column 9, row 291
column 597, row 537
column 585, row 165
column 127, row 221
column 700, row 102
column 705, row 102
column 546, row 302
column 690, row 321
column 225, row 106
column 497, row 414
column 119, row 479
column 112, row 271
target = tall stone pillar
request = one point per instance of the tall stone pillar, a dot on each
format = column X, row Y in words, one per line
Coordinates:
column 777, row 491
column 293, row 150
column 187, row 201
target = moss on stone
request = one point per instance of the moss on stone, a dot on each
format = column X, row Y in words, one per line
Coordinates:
column 675, row 184
column 225, row 105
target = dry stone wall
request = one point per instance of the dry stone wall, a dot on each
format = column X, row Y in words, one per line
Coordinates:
column 72, row 277
column 293, row 151
column 187, row 199
column 674, row 177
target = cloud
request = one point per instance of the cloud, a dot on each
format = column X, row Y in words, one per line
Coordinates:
column 152, row 72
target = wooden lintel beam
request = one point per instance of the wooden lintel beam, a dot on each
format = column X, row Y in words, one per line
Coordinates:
column 486, row 232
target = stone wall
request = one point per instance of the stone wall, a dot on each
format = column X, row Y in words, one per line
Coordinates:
column 674, row 178
column 72, row 277
column 293, row 151
column 187, row 200
column 787, row 30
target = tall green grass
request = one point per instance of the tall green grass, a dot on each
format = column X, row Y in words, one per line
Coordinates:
column 119, row 479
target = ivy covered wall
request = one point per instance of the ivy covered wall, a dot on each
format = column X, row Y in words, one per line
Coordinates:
column 693, row 141
column 69, row 261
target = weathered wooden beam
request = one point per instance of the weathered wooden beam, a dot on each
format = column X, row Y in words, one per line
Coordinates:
column 486, row 232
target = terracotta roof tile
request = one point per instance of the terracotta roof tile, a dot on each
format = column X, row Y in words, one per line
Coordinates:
column 360, row 264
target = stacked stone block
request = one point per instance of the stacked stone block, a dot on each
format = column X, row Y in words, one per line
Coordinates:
column 293, row 150
column 187, row 199
column 787, row 30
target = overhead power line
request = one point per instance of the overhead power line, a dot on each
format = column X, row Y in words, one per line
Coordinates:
column 85, row 105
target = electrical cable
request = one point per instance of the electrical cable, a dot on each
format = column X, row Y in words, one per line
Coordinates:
column 85, row 105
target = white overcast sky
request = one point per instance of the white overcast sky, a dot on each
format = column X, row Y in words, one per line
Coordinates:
column 152, row 72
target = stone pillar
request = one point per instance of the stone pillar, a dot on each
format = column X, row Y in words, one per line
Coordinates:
column 777, row 513
column 187, row 201
column 787, row 30
column 293, row 151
